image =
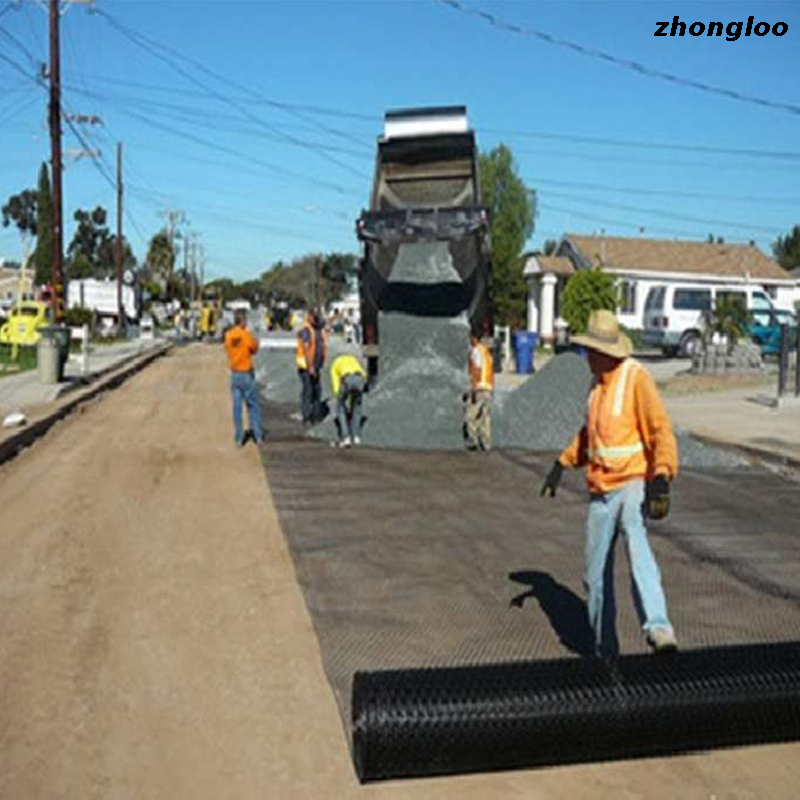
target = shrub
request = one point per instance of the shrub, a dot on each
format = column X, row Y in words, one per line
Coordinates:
column 729, row 319
column 78, row 317
column 586, row 291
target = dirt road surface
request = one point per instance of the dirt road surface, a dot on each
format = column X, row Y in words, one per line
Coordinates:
column 154, row 642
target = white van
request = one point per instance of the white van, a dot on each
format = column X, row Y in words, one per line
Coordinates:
column 674, row 313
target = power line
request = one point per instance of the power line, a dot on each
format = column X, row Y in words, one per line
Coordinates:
column 241, row 155
column 668, row 193
column 792, row 155
column 635, row 66
column 665, row 214
column 23, row 48
column 150, row 46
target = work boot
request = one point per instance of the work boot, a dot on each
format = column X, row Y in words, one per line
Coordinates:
column 662, row 640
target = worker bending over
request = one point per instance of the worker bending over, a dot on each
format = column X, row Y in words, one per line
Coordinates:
column 241, row 346
column 627, row 440
column 479, row 400
column 348, row 381
column 312, row 348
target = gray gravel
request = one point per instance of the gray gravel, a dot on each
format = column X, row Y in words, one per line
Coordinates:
column 417, row 401
column 418, row 405
column 548, row 410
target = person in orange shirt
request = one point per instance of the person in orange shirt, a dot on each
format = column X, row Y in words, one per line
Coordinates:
column 627, row 442
column 241, row 346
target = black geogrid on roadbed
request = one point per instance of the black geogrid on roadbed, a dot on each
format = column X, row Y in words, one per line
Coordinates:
column 436, row 559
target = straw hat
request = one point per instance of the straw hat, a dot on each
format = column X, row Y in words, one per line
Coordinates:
column 603, row 334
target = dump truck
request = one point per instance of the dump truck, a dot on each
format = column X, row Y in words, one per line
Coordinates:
column 425, row 238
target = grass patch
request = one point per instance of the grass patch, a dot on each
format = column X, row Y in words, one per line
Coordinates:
column 25, row 360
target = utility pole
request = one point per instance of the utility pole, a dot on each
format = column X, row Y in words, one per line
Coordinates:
column 55, row 162
column 120, row 251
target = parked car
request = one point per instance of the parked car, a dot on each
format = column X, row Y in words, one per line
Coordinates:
column 674, row 314
column 24, row 323
column 765, row 329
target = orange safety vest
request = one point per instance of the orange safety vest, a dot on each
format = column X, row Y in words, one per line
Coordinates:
column 482, row 377
column 614, row 442
column 306, row 351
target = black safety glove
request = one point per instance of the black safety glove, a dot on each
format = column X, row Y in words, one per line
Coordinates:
column 550, row 485
column 657, row 497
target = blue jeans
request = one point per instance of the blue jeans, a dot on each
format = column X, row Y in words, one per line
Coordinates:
column 349, row 405
column 621, row 510
column 244, row 388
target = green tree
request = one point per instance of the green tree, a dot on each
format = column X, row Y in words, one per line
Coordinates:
column 550, row 247
column 729, row 318
column 91, row 241
column 586, row 291
column 161, row 258
column 44, row 239
column 23, row 211
column 512, row 209
column 787, row 249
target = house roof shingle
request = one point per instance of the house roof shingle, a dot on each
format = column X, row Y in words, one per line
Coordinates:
column 664, row 255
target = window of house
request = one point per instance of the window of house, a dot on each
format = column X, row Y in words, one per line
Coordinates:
column 627, row 297
column 692, row 300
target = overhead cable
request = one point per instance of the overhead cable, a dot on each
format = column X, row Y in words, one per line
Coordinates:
column 635, row 66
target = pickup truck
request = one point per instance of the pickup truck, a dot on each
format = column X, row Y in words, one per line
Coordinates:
column 765, row 329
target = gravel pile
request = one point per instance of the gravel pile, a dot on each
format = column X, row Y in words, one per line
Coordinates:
column 548, row 410
column 417, row 403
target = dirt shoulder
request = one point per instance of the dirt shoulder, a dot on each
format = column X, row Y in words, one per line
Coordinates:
column 154, row 642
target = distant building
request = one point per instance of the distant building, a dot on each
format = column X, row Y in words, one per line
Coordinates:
column 348, row 308
column 639, row 264
column 11, row 282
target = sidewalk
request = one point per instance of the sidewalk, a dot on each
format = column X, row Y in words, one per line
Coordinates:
column 24, row 393
column 744, row 417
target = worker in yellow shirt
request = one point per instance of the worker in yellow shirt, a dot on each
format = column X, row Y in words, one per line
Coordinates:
column 241, row 346
column 630, row 454
column 348, row 382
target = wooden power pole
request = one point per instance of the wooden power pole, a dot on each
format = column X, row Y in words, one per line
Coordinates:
column 55, row 162
column 120, row 250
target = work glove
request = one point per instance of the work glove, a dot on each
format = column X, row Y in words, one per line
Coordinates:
column 657, row 497
column 550, row 485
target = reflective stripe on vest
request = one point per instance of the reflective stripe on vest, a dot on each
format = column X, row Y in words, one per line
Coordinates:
column 599, row 452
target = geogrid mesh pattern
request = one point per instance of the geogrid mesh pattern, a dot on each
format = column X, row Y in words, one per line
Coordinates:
column 412, row 723
column 443, row 559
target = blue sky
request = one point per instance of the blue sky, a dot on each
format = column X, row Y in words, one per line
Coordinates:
column 260, row 182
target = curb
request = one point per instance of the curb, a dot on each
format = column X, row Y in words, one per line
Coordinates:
column 14, row 444
column 768, row 456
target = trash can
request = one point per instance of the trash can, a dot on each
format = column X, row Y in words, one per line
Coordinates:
column 58, row 337
column 48, row 360
column 524, row 348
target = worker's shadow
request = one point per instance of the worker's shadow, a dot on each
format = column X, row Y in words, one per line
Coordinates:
column 565, row 611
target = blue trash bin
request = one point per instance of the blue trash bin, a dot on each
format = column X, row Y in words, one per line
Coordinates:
column 524, row 348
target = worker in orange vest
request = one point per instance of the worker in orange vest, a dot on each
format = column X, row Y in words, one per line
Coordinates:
column 310, row 354
column 241, row 346
column 479, row 400
column 630, row 454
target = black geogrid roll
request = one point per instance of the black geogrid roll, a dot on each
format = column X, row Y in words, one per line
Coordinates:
column 421, row 722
